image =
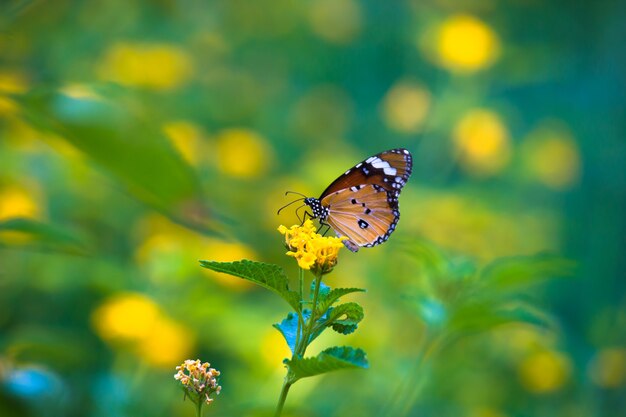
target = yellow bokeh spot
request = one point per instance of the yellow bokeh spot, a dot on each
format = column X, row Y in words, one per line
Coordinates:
column 544, row 371
column 466, row 44
column 126, row 317
column 242, row 153
column 8, row 107
column 405, row 106
column 19, row 202
column 154, row 66
column 608, row 367
column 336, row 21
column 187, row 139
column 167, row 343
column 221, row 251
column 80, row 92
column 12, row 82
column 482, row 142
column 551, row 156
column 274, row 349
column 485, row 412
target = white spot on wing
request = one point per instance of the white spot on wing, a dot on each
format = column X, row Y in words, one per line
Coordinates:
column 389, row 170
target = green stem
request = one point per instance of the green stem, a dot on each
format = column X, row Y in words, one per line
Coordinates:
column 312, row 318
column 283, row 396
column 199, row 407
column 300, row 319
column 409, row 390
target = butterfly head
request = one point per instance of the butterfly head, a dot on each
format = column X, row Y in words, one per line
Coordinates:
column 319, row 211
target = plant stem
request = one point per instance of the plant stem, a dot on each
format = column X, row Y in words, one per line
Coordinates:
column 283, row 396
column 409, row 390
column 312, row 318
column 300, row 319
column 199, row 407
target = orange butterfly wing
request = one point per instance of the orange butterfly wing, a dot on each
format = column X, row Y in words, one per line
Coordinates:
column 390, row 170
column 366, row 214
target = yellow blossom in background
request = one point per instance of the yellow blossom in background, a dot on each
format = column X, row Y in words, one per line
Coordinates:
column 482, row 142
column 607, row 369
column 544, row 371
column 126, row 317
column 485, row 412
column 242, row 153
column 167, row 343
column 551, row 156
column 405, row 106
column 8, row 107
column 336, row 21
column 154, row 66
column 466, row 44
column 13, row 82
column 224, row 251
column 136, row 322
column 17, row 201
column 273, row 349
column 187, row 138
column 312, row 250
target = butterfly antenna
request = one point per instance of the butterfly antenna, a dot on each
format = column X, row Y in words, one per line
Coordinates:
column 288, row 204
column 295, row 192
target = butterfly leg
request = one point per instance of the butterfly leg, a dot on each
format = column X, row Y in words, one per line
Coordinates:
column 306, row 216
column 322, row 225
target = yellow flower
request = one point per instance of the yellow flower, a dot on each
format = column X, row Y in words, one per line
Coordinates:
column 312, row 250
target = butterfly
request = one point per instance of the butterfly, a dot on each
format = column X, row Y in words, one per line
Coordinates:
column 362, row 204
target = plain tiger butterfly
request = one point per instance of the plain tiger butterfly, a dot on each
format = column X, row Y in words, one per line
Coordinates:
column 362, row 204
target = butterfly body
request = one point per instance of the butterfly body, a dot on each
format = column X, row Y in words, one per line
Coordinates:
column 362, row 204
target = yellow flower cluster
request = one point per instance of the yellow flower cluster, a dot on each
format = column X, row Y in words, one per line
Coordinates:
column 198, row 379
column 312, row 250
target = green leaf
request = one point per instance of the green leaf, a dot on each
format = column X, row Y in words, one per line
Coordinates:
column 514, row 272
column 38, row 235
column 480, row 317
column 330, row 297
column 112, row 129
column 331, row 359
column 289, row 329
column 266, row 275
column 343, row 318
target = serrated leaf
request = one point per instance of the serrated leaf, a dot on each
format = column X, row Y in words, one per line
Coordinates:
column 268, row 276
column 289, row 327
column 514, row 272
column 324, row 289
column 330, row 297
column 39, row 236
column 343, row 318
column 332, row 359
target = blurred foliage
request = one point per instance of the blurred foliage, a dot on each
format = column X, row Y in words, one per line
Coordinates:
column 139, row 137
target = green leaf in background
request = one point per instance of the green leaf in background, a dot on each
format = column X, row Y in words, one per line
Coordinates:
column 128, row 147
column 331, row 359
column 268, row 276
column 508, row 274
column 41, row 236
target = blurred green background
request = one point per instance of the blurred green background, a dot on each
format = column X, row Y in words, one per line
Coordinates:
column 139, row 137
